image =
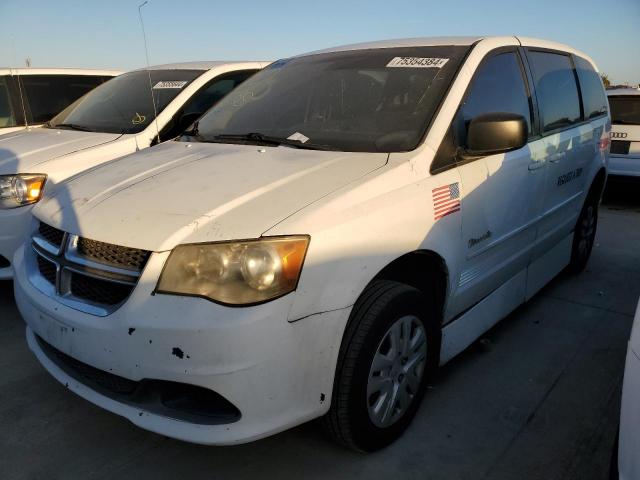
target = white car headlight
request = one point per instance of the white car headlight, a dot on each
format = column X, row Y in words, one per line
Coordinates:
column 21, row 189
column 236, row 273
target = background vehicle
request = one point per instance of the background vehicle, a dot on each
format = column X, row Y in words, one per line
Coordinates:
column 627, row 456
column 33, row 96
column 625, row 132
column 334, row 229
column 113, row 120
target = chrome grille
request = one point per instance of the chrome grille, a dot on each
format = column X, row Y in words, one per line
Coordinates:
column 47, row 269
column 96, row 290
column 91, row 276
column 51, row 234
column 125, row 257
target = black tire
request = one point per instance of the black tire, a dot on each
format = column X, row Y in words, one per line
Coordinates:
column 584, row 233
column 380, row 306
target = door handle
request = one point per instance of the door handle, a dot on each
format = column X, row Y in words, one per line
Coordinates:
column 533, row 166
column 556, row 157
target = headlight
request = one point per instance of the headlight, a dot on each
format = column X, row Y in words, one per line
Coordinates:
column 236, row 273
column 21, row 189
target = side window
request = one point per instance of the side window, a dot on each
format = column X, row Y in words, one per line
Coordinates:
column 213, row 92
column 556, row 89
column 48, row 95
column 594, row 100
column 7, row 117
column 498, row 86
column 203, row 100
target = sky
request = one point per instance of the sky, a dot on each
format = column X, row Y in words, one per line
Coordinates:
column 107, row 34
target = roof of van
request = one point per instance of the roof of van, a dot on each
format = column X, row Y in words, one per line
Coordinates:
column 435, row 41
column 623, row 91
column 58, row 71
column 402, row 42
column 198, row 65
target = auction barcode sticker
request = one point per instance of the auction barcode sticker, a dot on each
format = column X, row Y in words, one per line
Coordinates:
column 417, row 62
column 170, row 84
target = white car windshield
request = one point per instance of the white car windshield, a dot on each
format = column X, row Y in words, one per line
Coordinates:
column 378, row 100
column 124, row 104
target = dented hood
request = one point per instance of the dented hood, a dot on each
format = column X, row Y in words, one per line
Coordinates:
column 185, row 193
column 28, row 151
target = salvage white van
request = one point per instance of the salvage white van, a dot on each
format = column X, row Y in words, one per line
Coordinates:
column 33, row 96
column 327, row 235
column 625, row 132
column 128, row 113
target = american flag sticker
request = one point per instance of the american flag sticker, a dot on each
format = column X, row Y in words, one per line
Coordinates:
column 446, row 200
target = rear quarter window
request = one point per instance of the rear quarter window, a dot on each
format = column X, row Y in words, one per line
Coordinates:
column 594, row 99
column 556, row 89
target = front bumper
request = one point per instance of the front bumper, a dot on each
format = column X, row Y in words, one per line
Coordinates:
column 629, row 450
column 624, row 165
column 276, row 373
column 14, row 229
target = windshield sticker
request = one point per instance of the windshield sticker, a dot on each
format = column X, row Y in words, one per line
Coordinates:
column 417, row 62
column 138, row 119
column 170, row 84
column 298, row 137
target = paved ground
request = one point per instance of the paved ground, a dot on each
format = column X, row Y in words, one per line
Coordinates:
column 536, row 399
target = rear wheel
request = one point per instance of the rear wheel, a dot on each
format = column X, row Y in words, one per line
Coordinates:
column 389, row 350
column 584, row 234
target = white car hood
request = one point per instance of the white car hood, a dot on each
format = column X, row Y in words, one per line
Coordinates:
column 185, row 193
column 26, row 151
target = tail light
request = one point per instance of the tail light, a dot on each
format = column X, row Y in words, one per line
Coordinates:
column 605, row 140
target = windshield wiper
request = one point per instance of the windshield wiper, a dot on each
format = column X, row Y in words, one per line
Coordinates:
column 260, row 139
column 72, row 126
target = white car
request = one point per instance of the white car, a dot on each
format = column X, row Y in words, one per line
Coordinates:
column 33, row 96
column 628, row 460
column 330, row 232
column 625, row 132
column 113, row 120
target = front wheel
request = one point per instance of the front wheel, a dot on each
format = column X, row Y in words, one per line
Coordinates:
column 389, row 350
column 584, row 234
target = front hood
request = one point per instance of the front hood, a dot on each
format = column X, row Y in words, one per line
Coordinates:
column 185, row 193
column 26, row 151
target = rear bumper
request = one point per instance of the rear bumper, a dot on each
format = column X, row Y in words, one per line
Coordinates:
column 624, row 165
column 629, row 451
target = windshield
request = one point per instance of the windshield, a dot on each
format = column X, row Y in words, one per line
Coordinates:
column 379, row 100
column 625, row 110
column 123, row 104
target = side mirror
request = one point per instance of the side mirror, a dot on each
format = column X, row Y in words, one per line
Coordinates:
column 187, row 119
column 498, row 132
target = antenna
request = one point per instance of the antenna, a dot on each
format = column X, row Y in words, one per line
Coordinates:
column 146, row 52
column 24, row 110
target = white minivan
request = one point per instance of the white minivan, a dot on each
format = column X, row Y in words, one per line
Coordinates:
column 625, row 132
column 323, row 239
column 33, row 96
column 128, row 113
